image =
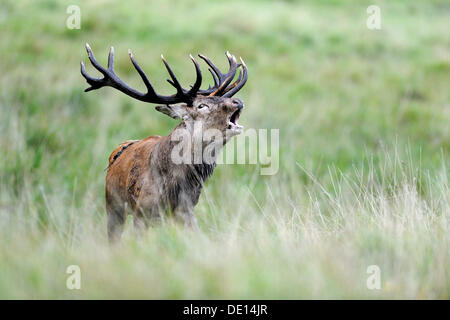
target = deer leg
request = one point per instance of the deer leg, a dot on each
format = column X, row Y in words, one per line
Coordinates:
column 116, row 221
column 187, row 216
column 190, row 221
column 141, row 223
column 184, row 209
column 146, row 214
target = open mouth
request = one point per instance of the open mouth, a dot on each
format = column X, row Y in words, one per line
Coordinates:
column 233, row 122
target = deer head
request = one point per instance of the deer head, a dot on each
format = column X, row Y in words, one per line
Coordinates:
column 213, row 107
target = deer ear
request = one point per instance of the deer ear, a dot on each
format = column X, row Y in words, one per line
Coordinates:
column 177, row 111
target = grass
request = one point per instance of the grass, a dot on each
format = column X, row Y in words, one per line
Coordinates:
column 364, row 142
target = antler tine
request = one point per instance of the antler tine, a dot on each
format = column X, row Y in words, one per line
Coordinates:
column 94, row 82
column 216, row 74
column 111, row 59
column 150, row 90
column 198, row 81
column 94, row 62
column 174, row 82
column 216, row 80
column 90, row 80
column 209, row 63
column 228, row 76
column 239, row 83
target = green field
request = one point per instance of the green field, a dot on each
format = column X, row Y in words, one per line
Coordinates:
column 364, row 151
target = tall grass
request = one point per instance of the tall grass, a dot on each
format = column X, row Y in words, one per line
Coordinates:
column 364, row 140
column 300, row 242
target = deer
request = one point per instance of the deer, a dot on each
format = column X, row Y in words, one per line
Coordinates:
column 142, row 178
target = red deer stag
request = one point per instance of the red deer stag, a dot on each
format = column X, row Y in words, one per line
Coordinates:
column 143, row 179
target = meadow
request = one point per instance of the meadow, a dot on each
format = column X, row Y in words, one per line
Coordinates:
column 364, row 149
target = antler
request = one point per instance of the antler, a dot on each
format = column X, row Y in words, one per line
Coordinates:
column 112, row 80
column 221, row 86
column 222, row 81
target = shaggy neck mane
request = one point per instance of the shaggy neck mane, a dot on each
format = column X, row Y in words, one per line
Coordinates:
column 194, row 175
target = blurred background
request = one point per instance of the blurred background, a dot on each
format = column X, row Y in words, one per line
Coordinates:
column 364, row 139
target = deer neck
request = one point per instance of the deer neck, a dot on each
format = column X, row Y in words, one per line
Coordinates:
column 182, row 150
column 191, row 135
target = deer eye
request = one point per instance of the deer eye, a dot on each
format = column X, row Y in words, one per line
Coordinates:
column 201, row 106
